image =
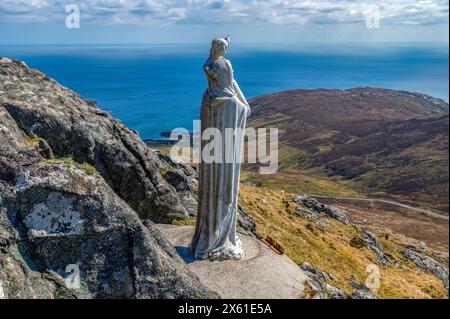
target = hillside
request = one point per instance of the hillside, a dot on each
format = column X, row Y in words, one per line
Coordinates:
column 360, row 142
column 334, row 253
column 339, row 251
column 80, row 193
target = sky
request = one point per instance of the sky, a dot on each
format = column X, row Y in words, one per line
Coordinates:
column 288, row 22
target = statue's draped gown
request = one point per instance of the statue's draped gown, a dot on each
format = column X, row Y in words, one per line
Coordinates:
column 223, row 108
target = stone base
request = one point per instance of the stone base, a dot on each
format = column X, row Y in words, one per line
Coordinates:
column 261, row 274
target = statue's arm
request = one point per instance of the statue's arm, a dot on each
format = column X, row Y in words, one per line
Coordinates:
column 236, row 87
column 239, row 93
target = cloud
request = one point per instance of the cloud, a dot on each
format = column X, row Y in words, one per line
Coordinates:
column 210, row 12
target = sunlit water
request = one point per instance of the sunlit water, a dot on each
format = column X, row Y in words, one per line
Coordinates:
column 157, row 88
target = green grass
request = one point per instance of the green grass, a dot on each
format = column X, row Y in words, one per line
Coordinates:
column 33, row 140
column 166, row 170
column 329, row 248
column 89, row 169
column 291, row 158
column 325, row 148
column 184, row 221
column 298, row 183
column 71, row 163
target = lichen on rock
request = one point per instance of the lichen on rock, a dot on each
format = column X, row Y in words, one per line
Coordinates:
column 54, row 216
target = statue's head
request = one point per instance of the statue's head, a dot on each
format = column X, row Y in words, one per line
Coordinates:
column 219, row 46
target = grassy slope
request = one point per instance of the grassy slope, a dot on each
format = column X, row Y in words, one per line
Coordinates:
column 328, row 249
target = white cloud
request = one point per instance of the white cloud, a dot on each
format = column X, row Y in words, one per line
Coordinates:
column 280, row 12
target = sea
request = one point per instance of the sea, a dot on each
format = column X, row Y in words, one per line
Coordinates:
column 155, row 88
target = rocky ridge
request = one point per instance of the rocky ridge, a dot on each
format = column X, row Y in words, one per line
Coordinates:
column 66, row 171
column 343, row 258
column 319, row 280
column 66, row 206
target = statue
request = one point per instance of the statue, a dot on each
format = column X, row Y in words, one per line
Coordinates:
column 224, row 110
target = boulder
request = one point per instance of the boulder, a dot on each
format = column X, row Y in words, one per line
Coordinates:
column 372, row 242
column 11, row 137
column 56, row 218
column 428, row 264
column 312, row 215
column 361, row 291
column 322, row 209
column 75, row 127
column 318, row 281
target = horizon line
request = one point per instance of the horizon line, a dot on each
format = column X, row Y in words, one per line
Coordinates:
column 443, row 43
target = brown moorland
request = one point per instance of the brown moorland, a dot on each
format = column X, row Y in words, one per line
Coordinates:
column 363, row 142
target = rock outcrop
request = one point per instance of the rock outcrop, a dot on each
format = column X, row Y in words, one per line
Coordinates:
column 318, row 281
column 64, row 230
column 371, row 241
column 428, row 264
column 361, row 291
column 75, row 127
column 317, row 209
column 54, row 217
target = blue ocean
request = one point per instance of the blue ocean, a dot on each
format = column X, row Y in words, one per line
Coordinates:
column 154, row 88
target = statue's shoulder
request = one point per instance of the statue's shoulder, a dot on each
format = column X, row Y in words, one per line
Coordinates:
column 213, row 65
column 228, row 63
column 223, row 61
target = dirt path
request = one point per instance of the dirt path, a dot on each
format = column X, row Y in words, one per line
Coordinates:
column 385, row 201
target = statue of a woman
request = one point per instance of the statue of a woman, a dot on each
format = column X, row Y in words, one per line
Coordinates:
column 224, row 110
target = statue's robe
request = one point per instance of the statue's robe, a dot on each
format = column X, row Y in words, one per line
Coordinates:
column 225, row 110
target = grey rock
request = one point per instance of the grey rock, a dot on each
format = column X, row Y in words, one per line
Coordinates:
column 246, row 224
column 44, row 149
column 361, row 291
column 419, row 247
column 312, row 215
column 74, row 127
column 11, row 137
column 184, row 178
column 52, row 216
column 336, row 293
column 320, row 208
column 372, row 242
column 321, row 276
column 317, row 280
column 428, row 264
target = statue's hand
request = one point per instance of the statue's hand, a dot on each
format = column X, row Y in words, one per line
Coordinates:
column 249, row 110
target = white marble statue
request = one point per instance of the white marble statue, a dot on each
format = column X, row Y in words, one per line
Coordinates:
column 224, row 108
